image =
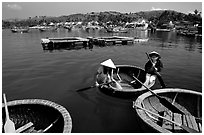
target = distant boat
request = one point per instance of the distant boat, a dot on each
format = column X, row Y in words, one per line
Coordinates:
column 136, row 39
column 45, row 28
column 116, row 30
column 19, row 30
column 68, row 27
column 165, row 30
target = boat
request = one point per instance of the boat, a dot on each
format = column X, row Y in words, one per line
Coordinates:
column 47, row 28
column 157, row 117
column 19, row 30
column 137, row 39
column 128, row 82
column 38, row 116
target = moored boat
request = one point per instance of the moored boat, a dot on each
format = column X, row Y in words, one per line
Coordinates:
column 19, row 30
column 38, row 116
column 127, row 81
column 136, row 39
column 157, row 117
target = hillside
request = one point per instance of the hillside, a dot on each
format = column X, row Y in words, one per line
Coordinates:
column 157, row 17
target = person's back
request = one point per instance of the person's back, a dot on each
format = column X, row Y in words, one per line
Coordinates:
column 103, row 75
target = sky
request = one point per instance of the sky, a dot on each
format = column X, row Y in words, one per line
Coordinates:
column 25, row 10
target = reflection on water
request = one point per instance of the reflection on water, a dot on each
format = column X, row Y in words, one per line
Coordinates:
column 28, row 71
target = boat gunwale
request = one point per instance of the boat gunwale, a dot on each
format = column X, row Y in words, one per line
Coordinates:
column 65, row 114
column 141, row 113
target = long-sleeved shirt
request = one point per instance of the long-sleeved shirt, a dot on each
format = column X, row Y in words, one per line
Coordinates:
column 150, row 69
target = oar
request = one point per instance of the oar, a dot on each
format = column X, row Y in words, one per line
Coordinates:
column 50, row 125
column 164, row 101
column 9, row 126
column 190, row 130
column 93, row 86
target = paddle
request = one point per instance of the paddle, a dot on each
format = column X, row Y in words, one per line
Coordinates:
column 93, row 86
column 9, row 126
column 190, row 130
column 164, row 101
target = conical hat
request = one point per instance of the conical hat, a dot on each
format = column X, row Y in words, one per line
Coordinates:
column 153, row 53
column 108, row 63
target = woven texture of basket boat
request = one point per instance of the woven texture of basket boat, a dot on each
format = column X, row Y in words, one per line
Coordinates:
column 41, row 113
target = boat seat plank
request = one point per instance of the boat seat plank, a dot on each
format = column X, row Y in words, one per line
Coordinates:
column 184, row 121
column 166, row 124
column 177, row 119
column 189, row 123
column 26, row 126
column 193, row 122
column 30, row 130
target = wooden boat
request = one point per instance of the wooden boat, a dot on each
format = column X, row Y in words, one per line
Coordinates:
column 38, row 116
column 189, row 102
column 128, row 83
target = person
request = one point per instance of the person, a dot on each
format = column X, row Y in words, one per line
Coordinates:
column 105, row 74
column 154, row 66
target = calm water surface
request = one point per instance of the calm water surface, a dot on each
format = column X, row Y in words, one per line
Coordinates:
column 30, row 72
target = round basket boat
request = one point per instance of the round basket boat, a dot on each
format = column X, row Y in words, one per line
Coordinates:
column 154, row 116
column 41, row 115
column 125, row 76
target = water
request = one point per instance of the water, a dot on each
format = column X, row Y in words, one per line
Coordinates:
column 30, row 72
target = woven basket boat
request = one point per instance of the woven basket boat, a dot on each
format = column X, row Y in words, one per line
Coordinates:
column 188, row 101
column 126, row 73
column 43, row 114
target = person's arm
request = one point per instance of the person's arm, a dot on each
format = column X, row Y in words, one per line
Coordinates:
column 118, row 75
column 159, row 66
column 149, row 67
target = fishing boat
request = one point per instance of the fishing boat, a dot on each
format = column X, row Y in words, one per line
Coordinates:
column 156, row 116
column 124, row 75
column 38, row 116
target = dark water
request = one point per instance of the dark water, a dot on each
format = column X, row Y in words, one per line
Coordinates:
column 30, row 72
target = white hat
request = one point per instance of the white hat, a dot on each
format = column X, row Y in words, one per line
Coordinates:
column 108, row 63
column 153, row 53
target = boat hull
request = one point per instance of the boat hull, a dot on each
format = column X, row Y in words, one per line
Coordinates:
column 128, row 83
column 190, row 102
column 42, row 113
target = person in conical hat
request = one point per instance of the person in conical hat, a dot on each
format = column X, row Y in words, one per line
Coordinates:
column 105, row 73
column 109, row 63
column 154, row 66
column 153, row 53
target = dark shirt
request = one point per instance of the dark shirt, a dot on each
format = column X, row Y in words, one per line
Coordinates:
column 150, row 69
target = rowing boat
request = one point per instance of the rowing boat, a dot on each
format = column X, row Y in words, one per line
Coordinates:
column 124, row 75
column 38, row 116
column 155, row 117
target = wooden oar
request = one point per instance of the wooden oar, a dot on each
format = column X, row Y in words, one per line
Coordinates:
column 93, row 86
column 163, row 101
column 9, row 126
column 190, row 130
